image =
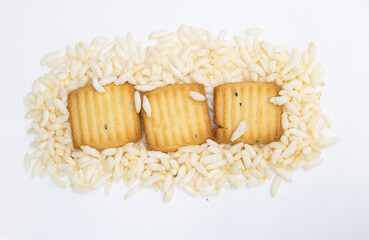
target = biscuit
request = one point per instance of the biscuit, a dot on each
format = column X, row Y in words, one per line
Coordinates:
column 176, row 118
column 104, row 120
column 249, row 102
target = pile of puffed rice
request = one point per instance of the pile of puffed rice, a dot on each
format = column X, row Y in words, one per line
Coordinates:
column 190, row 55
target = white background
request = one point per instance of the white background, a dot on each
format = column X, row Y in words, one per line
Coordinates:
column 328, row 202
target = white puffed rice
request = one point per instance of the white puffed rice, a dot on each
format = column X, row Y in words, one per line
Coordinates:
column 146, row 106
column 189, row 55
column 240, row 130
column 197, row 96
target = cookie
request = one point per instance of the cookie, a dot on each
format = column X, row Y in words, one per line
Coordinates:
column 104, row 120
column 249, row 102
column 177, row 119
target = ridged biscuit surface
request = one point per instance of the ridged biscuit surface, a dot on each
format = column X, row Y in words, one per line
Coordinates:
column 176, row 119
column 249, row 102
column 104, row 120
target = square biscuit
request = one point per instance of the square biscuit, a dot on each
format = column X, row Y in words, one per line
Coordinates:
column 249, row 102
column 176, row 119
column 104, row 120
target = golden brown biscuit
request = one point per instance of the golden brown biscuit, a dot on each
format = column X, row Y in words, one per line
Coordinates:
column 249, row 102
column 104, row 120
column 176, row 119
